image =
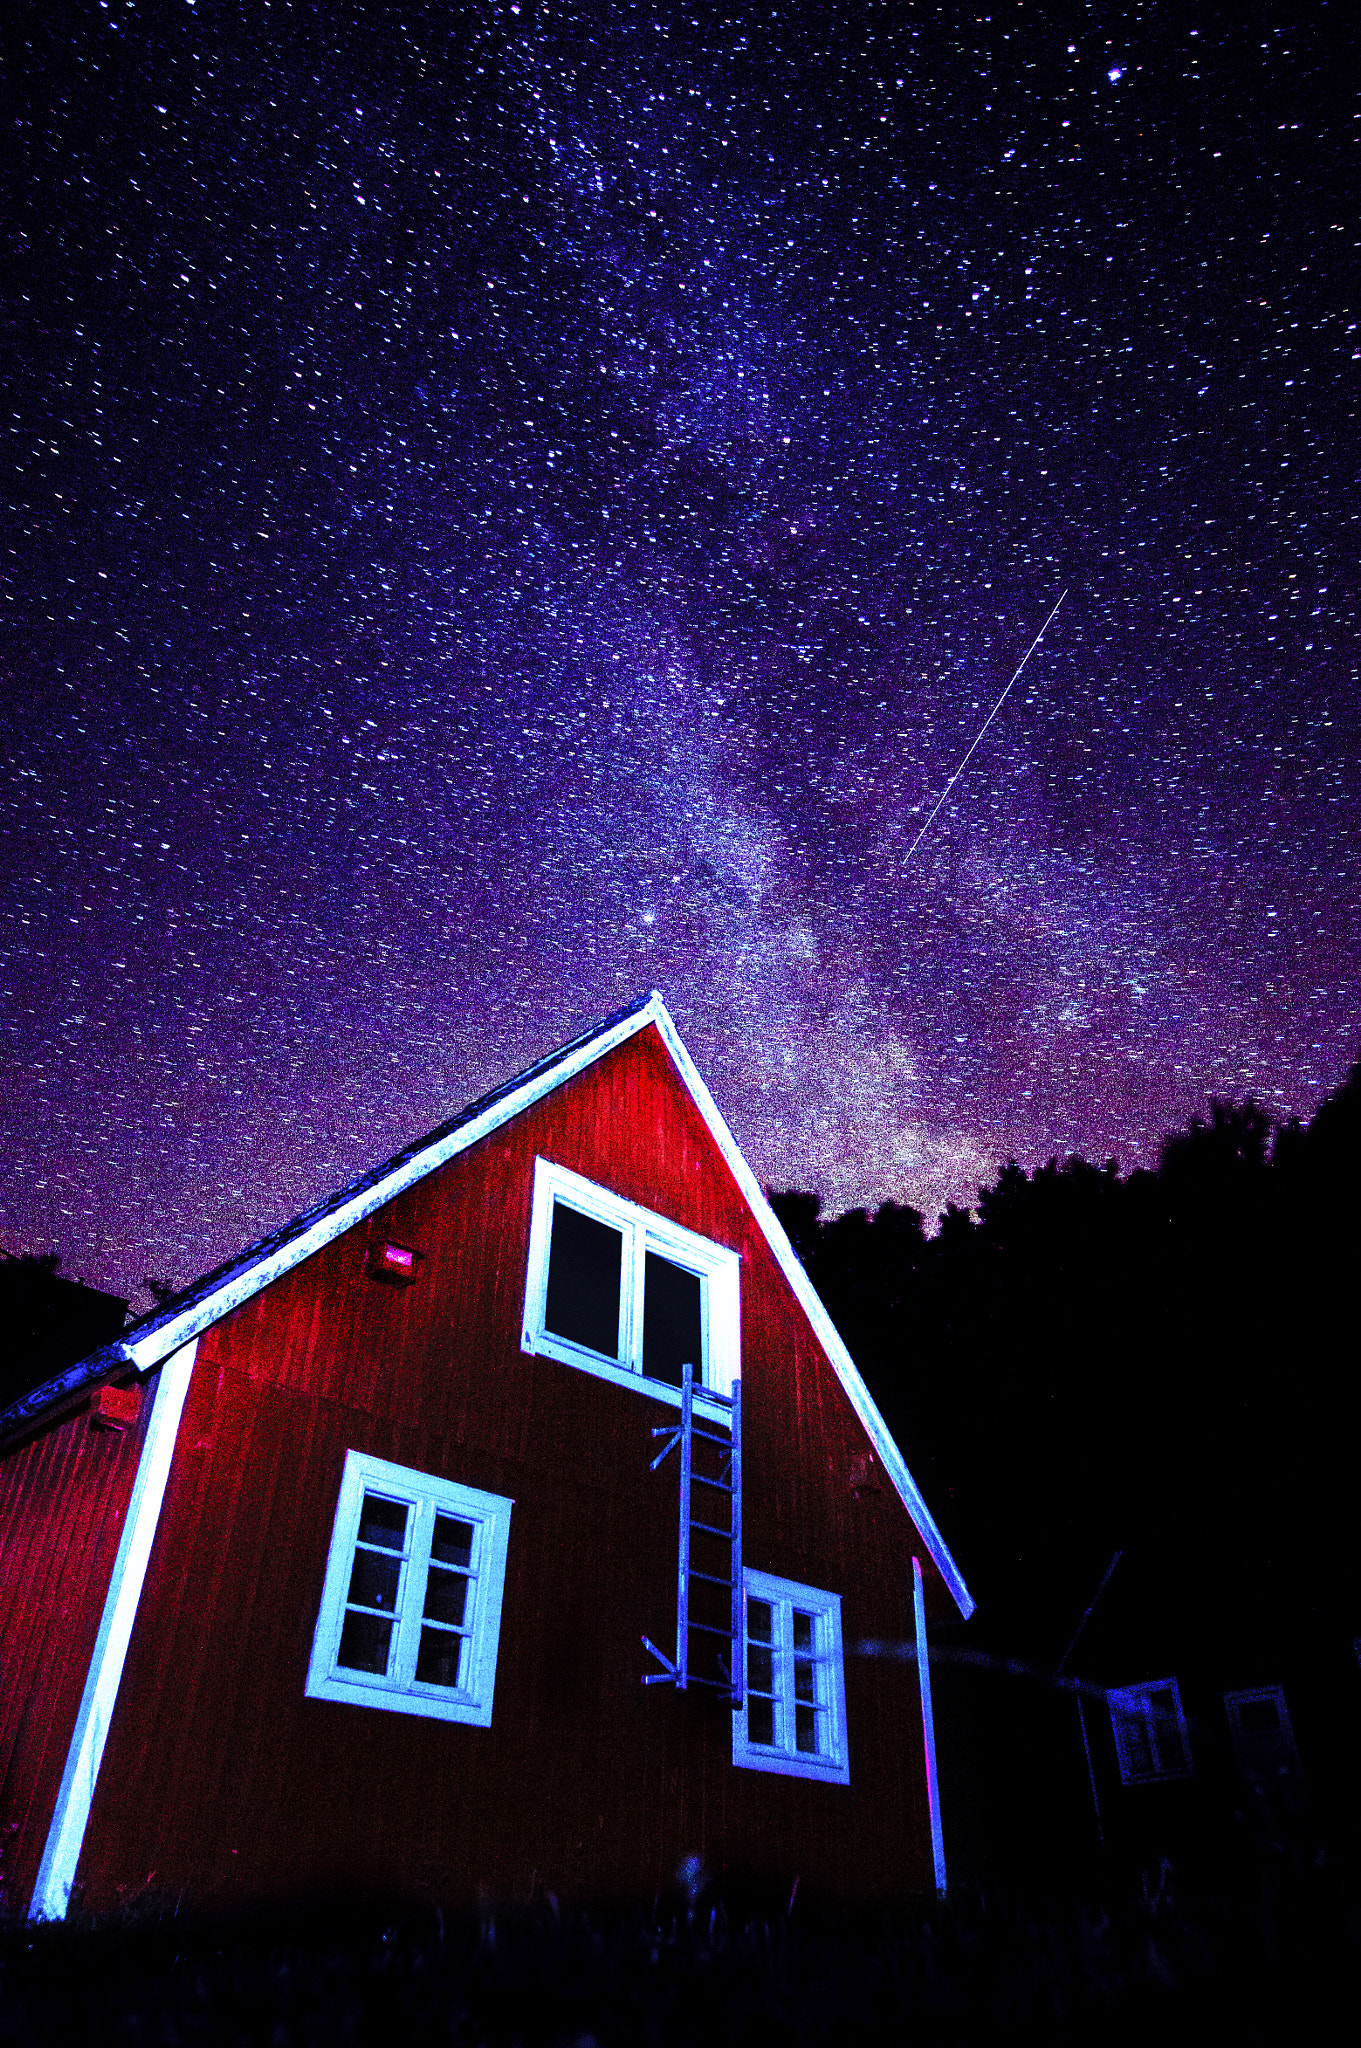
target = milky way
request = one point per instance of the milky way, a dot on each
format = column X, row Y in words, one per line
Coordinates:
column 514, row 506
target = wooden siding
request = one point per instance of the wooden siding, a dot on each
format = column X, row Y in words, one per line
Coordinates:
column 221, row 1780
column 63, row 1497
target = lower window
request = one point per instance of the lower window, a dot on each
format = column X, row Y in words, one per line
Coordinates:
column 1151, row 1740
column 793, row 1714
column 411, row 1606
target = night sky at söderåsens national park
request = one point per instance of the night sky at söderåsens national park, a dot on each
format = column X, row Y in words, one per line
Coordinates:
column 513, row 506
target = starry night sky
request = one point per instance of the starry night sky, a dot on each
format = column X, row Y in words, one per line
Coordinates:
column 513, row 506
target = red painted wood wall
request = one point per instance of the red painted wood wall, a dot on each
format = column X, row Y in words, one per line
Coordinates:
column 63, row 1497
column 222, row 1781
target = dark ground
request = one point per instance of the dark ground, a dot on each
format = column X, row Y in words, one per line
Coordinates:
column 1271, row 1953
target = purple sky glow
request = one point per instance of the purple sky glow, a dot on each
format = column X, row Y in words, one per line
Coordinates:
column 511, row 507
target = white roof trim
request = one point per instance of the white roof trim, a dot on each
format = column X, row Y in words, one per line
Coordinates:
column 238, row 1287
column 147, row 1351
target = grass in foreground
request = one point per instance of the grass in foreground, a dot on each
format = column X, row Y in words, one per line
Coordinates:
column 1270, row 1956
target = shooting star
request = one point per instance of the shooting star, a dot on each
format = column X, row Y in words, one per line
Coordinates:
column 981, row 730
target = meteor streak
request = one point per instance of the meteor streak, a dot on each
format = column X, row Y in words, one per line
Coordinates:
column 981, row 730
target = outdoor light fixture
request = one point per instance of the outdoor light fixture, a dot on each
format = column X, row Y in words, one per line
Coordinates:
column 393, row 1263
column 115, row 1407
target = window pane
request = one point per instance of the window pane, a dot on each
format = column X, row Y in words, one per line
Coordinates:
column 804, row 1686
column 760, row 1719
column 1138, row 1746
column 758, row 1620
column 584, row 1265
column 383, row 1522
column 1167, row 1744
column 1258, row 1717
column 439, row 1658
column 364, row 1644
column 759, row 1669
column 453, row 1542
column 803, row 1632
column 374, row 1581
column 673, row 1328
column 805, row 1730
column 446, row 1595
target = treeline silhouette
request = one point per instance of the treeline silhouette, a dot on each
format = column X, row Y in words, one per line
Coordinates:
column 1164, row 1361
column 48, row 1322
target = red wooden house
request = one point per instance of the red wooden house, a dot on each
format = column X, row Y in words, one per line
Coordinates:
column 507, row 1521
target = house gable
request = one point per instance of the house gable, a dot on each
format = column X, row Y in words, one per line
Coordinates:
column 672, row 1146
column 307, row 1355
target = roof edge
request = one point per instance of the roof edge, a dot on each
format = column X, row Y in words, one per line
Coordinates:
column 145, row 1344
column 824, row 1328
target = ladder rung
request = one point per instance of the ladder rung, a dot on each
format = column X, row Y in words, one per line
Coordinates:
column 708, row 1628
column 708, row 1436
column 709, row 1530
column 711, row 1578
column 701, row 1479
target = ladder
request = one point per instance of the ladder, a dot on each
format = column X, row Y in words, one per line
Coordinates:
column 709, row 1617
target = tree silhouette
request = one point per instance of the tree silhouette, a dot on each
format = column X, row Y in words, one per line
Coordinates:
column 48, row 1322
column 1235, row 1141
column 1087, row 1361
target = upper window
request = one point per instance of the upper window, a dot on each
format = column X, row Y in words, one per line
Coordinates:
column 411, row 1606
column 624, row 1293
column 793, row 1713
column 1151, row 1740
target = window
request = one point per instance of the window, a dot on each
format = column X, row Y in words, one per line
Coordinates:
column 411, row 1607
column 1151, row 1740
column 793, row 1713
column 621, row 1292
column 1259, row 1724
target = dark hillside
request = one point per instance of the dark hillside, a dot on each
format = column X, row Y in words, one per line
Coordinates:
column 1161, row 1365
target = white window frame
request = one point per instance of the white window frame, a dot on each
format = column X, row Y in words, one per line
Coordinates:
column 401, row 1692
column 1262, row 1752
column 1131, row 1702
column 643, row 1231
column 784, row 1595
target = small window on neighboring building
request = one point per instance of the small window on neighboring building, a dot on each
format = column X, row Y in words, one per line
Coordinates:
column 1151, row 1739
column 1259, row 1726
column 411, row 1607
column 793, row 1715
column 624, row 1293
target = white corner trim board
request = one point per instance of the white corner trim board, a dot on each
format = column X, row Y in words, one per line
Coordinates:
column 928, row 1724
column 61, row 1853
